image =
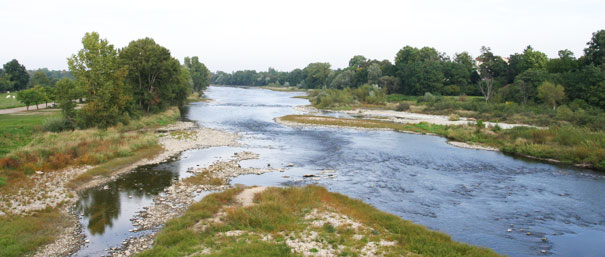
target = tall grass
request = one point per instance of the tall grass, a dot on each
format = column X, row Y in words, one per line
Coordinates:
column 48, row 151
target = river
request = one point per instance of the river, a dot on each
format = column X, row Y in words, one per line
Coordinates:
column 479, row 197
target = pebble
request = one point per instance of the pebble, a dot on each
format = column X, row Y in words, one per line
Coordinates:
column 86, row 241
column 528, row 233
column 544, row 239
column 39, row 172
column 291, row 165
column 543, row 251
column 509, row 230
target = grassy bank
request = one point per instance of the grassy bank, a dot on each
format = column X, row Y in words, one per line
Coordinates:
column 567, row 144
column 6, row 103
column 308, row 220
column 31, row 149
column 21, row 236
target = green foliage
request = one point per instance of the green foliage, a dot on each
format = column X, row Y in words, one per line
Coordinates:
column 334, row 98
column 17, row 76
column 316, row 75
column 199, row 73
column 31, row 96
column 402, row 107
column 97, row 68
column 595, row 52
column 58, row 124
column 154, row 76
column 551, row 93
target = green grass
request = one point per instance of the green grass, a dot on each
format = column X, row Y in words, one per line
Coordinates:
column 20, row 236
column 10, row 102
column 280, row 213
column 18, row 130
column 567, row 144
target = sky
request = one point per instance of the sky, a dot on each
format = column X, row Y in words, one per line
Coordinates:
column 236, row 35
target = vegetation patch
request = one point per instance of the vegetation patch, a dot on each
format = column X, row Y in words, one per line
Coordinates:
column 21, row 236
column 298, row 221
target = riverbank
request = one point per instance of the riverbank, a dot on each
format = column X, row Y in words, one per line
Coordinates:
column 297, row 221
column 568, row 145
column 48, row 194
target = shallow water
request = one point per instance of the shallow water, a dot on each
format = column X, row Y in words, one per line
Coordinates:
column 473, row 195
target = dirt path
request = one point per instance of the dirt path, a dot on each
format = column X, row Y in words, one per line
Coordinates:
column 246, row 197
column 24, row 108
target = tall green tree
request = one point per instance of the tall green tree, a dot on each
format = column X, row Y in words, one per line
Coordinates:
column 199, row 73
column 419, row 70
column 31, row 96
column 316, row 74
column 595, row 52
column 566, row 62
column 17, row 74
column 66, row 94
column 152, row 74
column 96, row 67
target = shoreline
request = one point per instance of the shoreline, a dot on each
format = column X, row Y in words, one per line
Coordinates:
column 71, row 238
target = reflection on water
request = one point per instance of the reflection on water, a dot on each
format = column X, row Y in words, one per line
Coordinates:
column 106, row 210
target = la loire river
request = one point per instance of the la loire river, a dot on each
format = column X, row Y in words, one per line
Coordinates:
column 479, row 197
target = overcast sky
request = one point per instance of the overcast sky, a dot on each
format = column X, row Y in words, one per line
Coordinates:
column 236, row 35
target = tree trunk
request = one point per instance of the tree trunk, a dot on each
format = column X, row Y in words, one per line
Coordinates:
column 37, row 107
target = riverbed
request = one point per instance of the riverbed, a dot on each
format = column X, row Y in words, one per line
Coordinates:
column 516, row 207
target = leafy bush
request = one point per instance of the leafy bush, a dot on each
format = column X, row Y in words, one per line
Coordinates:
column 454, row 117
column 402, row 107
column 58, row 124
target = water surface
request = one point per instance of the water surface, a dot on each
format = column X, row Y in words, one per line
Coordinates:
column 473, row 195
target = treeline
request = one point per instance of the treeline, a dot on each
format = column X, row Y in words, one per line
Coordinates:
column 417, row 71
column 118, row 84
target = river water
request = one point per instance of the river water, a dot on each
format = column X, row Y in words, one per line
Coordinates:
column 473, row 195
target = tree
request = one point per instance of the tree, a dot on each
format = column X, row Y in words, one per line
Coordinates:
column 374, row 73
column 17, row 75
column 5, row 82
column 67, row 93
column 528, row 82
column 595, row 52
column 390, row 83
column 316, row 74
column 357, row 61
column 152, row 72
column 40, row 78
column 30, row 96
column 96, row 67
column 551, row 94
column 491, row 69
column 419, row 70
column 566, row 62
column 199, row 73
column 342, row 80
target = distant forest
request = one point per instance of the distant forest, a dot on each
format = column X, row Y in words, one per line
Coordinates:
column 417, row 71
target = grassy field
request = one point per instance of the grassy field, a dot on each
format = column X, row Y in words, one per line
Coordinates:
column 30, row 149
column 283, row 218
column 6, row 103
column 18, row 130
column 567, row 144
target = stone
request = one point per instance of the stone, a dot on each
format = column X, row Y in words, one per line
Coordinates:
column 39, row 172
column 290, row 164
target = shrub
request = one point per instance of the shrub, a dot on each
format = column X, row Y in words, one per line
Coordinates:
column 402, row 107
column 58, row 124
column 454, row 117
